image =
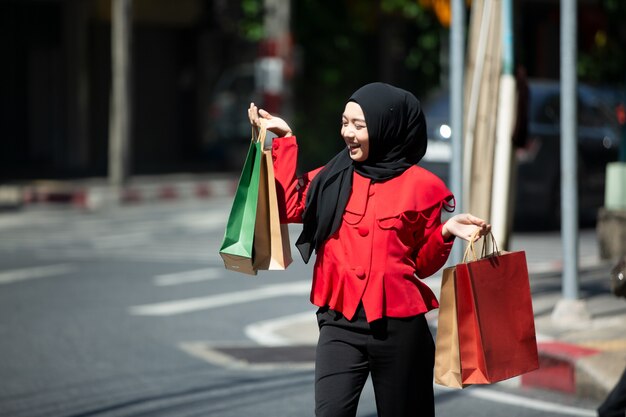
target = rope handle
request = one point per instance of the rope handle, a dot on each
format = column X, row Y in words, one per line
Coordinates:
column 259, row 134
column 471, row 249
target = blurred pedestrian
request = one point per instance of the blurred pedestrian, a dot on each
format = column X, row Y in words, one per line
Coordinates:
column 520, row 130
column 614, row 404
column 373, row 216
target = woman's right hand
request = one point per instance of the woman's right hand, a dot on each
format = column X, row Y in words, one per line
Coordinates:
column 274, row 124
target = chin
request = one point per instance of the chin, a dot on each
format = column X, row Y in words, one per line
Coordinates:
column 358, row 158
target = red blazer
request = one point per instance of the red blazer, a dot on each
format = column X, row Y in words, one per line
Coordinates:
column 389, row 239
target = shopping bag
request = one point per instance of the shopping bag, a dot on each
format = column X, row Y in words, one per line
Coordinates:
column 271, row 238
column 495, row 317
column 237, row 247
column 447, row 359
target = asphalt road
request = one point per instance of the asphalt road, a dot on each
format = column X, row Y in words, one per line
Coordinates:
column 129, row 312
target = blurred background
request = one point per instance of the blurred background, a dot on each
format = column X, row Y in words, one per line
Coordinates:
column 195, row 65
column 127, row 309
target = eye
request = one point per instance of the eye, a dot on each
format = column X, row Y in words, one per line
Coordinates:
column 360, row 126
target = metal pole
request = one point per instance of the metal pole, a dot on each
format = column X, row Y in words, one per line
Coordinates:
column 457, row 69
column 120, row 105
column 569, row 139
column 503, row 155
column 507, row 37
column 473, row 101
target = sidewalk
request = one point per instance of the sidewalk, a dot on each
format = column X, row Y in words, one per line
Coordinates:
column 585, row 358
column 96, row 193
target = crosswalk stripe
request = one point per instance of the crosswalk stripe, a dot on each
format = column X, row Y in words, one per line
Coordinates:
column 170, row 308
column 185, row 277
column 23, row 274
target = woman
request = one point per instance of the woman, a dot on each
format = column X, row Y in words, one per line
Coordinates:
column 374, row 219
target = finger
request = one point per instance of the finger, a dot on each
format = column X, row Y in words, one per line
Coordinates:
column 264, row 114
column 252, row 113
column 475, row 220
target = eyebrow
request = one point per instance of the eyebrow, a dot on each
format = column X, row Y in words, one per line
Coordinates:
column 356, row 119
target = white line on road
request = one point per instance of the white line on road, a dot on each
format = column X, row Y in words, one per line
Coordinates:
column 202, row 222
column 519, row 401
column 204, row 303
column 268, row 332
column 23, row 274
column 124, row 240
column 188, row 276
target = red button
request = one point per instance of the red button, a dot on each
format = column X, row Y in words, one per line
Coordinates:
column 363, row 231
column 359, row 272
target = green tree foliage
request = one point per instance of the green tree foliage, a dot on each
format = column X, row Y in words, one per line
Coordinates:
column 251, row 24
column 605, row 61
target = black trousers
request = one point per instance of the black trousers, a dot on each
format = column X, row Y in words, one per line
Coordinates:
column 615, row 403
column 398, row 353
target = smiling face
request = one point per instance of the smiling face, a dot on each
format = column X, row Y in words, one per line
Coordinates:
column 354, row 132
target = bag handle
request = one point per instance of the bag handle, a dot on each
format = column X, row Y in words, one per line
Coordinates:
column 259, row 134
column 471, row 249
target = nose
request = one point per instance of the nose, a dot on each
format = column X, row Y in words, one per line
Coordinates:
column 349, row 132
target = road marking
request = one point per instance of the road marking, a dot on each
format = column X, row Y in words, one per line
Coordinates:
column 121, row 240
column 202, row 222
column 267, row 332
column 185, row 277
column 23, row 274
column 170, row 308
column 520, row 401
column 212, row 353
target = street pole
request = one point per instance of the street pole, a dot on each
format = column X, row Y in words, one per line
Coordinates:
column 482, row 94
column 120, row 104
column 569, row 135
column 503, row 155
column 457, row 67
column 569, row 311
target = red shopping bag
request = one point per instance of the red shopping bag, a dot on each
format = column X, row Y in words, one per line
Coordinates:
column 495, row 318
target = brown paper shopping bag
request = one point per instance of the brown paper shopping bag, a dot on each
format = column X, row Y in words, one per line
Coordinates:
column 281, row 247
column 272, row 249
column 447, row 357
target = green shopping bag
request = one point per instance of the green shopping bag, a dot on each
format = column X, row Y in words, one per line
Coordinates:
column 238, row 244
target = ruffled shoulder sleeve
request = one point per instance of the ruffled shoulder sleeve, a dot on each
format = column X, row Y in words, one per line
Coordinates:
column 417, row 190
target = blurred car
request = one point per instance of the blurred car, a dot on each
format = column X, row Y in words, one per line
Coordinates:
column 538, row 186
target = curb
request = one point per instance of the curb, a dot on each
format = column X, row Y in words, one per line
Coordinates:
column 575, row 370
column 557, row 367
column 96, row 195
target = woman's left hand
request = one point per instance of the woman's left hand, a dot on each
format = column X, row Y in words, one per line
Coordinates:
column 464, row 226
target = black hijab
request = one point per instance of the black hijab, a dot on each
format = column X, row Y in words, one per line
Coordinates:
column 397, row 140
